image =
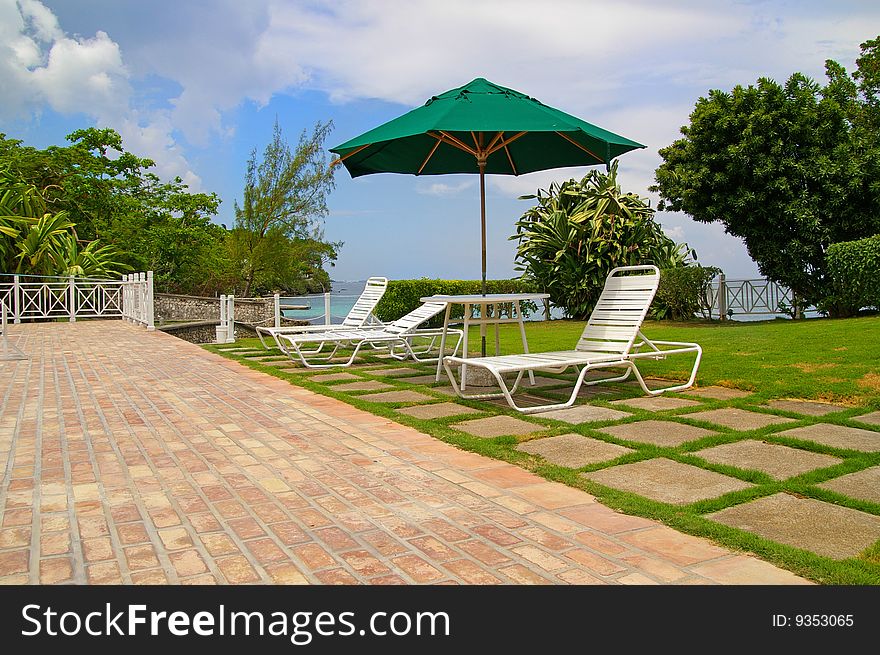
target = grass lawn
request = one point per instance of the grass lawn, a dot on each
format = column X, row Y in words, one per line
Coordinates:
column 831, row 360
column 821, row 359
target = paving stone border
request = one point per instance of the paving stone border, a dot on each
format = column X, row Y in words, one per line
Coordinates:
column 573, row 450
column 864, row 484
column 667, row 481
column 739, row 419
column 656, row 403
column 836, row 436
column 806, row 407
column 497, row 426
column 437, row 410
column 829, row 530
column 775, row 460
column 659, row 433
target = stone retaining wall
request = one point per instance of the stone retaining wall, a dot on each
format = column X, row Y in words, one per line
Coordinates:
column 176, row 307
column 204, row 331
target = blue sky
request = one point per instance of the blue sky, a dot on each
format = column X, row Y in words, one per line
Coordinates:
column 197, row 85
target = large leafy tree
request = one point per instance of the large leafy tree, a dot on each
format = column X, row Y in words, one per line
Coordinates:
column 35, row 240
column 112, row 195
column 579, row 230
column 789, row 168
column 279, row 220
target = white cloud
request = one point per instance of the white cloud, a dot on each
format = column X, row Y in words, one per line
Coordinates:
column 41, row 66
column 442, row 189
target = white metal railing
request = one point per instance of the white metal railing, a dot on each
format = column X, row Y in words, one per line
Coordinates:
column 43, row 297
column 726, row 298
column 226, row 328
column 137, row 299
column 8, row 352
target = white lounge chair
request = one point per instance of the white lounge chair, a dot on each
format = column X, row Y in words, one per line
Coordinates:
column 608, row 340
column 361, row 314
column 394, row 336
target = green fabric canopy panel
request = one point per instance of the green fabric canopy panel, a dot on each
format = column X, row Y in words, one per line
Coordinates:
column 452, row 131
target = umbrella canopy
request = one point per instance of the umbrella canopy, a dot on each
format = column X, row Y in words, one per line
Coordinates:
column 481, row 121
column 482, row 128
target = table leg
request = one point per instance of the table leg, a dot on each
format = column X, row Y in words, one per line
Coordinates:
column 443, row 341
column 464, row 345
column 522, row 331
column 497, row 338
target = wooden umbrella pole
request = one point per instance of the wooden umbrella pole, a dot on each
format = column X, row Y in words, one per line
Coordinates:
column 481, row 161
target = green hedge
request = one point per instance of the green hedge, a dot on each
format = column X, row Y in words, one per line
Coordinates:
column 854, row 269
column 402, row 296
column 682, row 292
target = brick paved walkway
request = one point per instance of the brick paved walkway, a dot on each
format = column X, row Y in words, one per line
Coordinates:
column 134, row 457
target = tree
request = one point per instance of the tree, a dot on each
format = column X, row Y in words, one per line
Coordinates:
column 285, row 198
column 581, row 229
column 111, row 195
column 36, row 241
column 790, row 169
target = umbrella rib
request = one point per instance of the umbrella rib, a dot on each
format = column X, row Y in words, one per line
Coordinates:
column 453, row 141
column 578, row 145
column 510, row 159
column 430, row 154
column 339, row 160
column 491, row 147
column 506, row 142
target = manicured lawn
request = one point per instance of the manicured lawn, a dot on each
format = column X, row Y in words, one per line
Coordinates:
column 822, row 359
column 830, row 360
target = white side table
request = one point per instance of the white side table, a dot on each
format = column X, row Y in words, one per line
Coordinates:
column 489, row 314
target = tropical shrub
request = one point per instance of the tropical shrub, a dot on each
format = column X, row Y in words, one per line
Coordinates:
column 581, row 229
column 854, row 269
column 37, row 241
column 402, row 296
column 682, row 292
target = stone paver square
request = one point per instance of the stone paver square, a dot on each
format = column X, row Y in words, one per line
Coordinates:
column 659, row 433
column 656, row 403
column 837, row 436
column 437, row 410
column 864, row 485
column 403, row 396
column 393, row 371
column 773, row 459
column 496, row 426
column 667, row 481
column 573, row 450
column 522, row 400
column 808, row 407
column 366, row 385
column 806, row 523
column 420, row 379
column 739, row 419
column 583, row 414
column 334, row 377
column 871, row 419
column 717, row 393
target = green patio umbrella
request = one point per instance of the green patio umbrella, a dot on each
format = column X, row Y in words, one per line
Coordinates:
column 482, row 128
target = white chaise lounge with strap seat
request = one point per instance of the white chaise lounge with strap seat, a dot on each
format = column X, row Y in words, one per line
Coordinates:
column 608, row 340
column 360, row 314
column 399, row 334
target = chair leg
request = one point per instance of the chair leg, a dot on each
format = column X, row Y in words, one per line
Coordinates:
column 677, row 387
column 262, row 341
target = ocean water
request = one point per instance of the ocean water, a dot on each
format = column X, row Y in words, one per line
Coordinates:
column 343, row 295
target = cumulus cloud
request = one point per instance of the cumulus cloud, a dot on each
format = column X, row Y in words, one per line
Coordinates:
column 442, row 189
column 42, row 66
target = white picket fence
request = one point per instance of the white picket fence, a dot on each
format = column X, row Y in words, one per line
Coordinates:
column 30, row 297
